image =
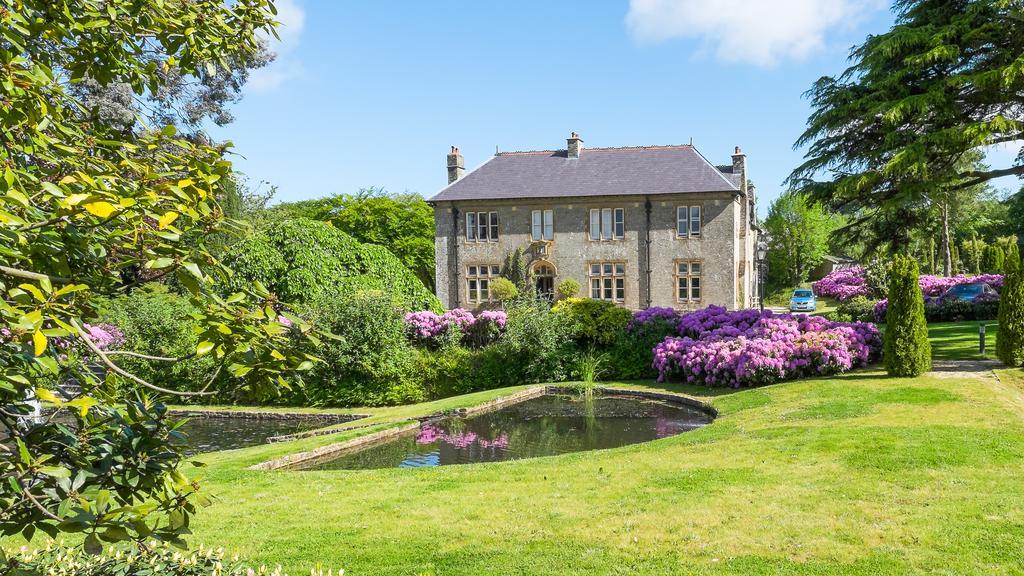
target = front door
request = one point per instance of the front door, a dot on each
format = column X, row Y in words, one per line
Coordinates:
column 544, row 281
column 546, row 287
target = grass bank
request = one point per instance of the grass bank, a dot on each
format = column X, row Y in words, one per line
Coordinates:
column 859, row 474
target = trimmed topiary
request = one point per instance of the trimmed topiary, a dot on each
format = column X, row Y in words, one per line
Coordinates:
column 568, row 288
column 504, row 290
column 907, row 349
column 1010, row 336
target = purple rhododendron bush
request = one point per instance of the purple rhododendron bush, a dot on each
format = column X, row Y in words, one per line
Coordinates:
column 843, row 284
column 427, row 327
column 850, row 282
column 716, row 347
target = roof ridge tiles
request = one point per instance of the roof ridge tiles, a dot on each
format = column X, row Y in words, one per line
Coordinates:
column 604, row 149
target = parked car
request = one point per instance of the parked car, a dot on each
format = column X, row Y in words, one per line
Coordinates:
column 803, row 300
column 970, row 292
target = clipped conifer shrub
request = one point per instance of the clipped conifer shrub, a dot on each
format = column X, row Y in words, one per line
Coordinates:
column 1010, row 335
column 907, row 351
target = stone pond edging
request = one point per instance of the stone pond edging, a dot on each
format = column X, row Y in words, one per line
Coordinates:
column 662, row 396
column 471, row 411
column 331, row 451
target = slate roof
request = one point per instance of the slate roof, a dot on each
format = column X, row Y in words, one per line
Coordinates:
column 597, row 172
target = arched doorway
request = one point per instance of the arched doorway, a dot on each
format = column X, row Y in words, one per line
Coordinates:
column 543, row 273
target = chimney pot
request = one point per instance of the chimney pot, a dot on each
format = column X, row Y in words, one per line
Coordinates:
column 456, row 165
column 574, row 145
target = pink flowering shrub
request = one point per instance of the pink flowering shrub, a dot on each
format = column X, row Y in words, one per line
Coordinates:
column 749, row 348
column 458, row 318
column 105, row 336
column 937, row 285
column 843, row 284
column 847, row 283
column 651, row 319
column 426, row 327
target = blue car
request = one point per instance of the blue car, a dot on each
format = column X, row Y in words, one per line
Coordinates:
column 971, row 292
column 803, row 300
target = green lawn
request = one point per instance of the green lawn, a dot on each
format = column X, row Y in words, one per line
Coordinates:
column 959, row 340
column 859, row 474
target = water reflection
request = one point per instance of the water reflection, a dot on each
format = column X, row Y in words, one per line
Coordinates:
column 543, row 426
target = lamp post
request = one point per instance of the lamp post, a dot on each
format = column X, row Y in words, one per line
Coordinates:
column 762, row 252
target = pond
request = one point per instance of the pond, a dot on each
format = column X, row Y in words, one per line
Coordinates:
column 229, row 433
column 206, row 434
column 543, row 426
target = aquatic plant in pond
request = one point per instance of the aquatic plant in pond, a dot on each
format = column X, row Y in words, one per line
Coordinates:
column 716, row 347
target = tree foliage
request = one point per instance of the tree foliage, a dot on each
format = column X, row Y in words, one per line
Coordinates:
column 299, row 259
column 799, row 232
column 403, row 223
column 88, row 209
column 992, row 260
column 897, row 128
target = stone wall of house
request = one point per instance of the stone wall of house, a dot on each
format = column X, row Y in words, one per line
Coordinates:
column 571, row 251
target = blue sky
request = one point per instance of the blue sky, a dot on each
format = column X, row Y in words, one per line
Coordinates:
column 374, row 93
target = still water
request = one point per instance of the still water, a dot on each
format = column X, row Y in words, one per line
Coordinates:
column 226, row 433
column 542, row 426
column 212, row 434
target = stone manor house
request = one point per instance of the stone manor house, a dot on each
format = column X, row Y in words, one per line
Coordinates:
column 639, row 226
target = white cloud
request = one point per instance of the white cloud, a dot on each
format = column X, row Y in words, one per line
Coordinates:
column 293, row 19
column 761, row 32
column 286, row 66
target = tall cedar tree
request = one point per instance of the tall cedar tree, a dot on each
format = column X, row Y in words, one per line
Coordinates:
column 907, row 350
column 894, row 132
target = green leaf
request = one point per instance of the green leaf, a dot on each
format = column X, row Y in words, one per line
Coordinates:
column 55, row 471
column 204, row 348
column 92, row 544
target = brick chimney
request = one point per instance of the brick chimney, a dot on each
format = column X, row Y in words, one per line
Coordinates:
column 456, row 166
column 574, row 145
column 739, row 166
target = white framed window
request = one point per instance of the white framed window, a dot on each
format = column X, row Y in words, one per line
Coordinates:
column 542, row 225
column 482, row 226
column 688, row 221
column 608, row 281
column 478, row 282
column 688, row 280
column 607, row 223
